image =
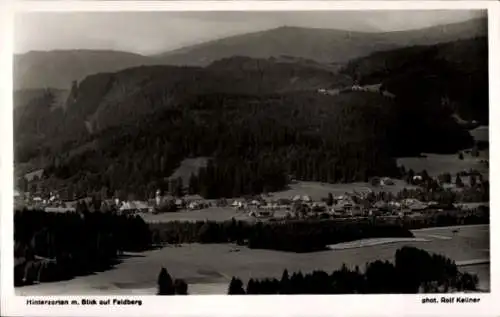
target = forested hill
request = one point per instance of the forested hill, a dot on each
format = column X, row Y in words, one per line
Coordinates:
column 105, row 100
column 259, row 119
column 256, row 139
column 453, row 74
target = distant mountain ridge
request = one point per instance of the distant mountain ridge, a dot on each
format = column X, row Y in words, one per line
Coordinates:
column 322, row 45
column 57, row 69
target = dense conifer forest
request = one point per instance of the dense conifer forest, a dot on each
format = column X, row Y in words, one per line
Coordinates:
column 256, row 144
column 293, row 236
column 303, row 235
column 58, row 246
column 454, row 72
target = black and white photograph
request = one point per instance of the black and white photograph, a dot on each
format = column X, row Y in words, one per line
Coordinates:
column 251, row 152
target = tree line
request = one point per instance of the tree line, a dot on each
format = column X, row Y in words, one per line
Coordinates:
column 293, row 236
column 431, row 189
column 413, row 271
column 58, row 246
column 305, row 235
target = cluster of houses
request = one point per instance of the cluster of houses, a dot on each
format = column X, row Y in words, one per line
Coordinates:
column 299, row 206
column 376, row 88
column 348, row 205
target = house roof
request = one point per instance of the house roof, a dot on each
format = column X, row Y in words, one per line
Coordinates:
column 31, row 175
column 380, row 204
column 129, row 205
column 59, row 209
column 193, row 197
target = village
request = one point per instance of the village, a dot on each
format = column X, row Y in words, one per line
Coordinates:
column 382, row 197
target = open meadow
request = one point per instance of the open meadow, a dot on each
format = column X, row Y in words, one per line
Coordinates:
column 212, row 213
column 208, row 268
column 318, row 191
column 436, row 164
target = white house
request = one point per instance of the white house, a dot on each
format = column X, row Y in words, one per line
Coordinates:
column 417, row 178
column 255, row 203
column 239, row 204
column 193, row 205
column 133, row 206
column 306, row 198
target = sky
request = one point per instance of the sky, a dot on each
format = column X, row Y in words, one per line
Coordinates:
column 156, row 32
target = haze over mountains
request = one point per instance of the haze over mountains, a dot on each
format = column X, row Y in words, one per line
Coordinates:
column 57, row 69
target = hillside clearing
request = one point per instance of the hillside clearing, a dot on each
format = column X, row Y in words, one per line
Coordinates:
column 212, row 213
column 481, row 133
column 187, row 167
column 318, row 191
column 436, row 164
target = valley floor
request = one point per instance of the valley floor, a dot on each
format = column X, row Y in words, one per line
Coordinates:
column 208, row 268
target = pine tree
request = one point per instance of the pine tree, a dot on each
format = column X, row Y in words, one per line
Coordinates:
column 251, row 287
column 179, row 187
column 425, row 175
column 410, row 176
column 165, row 284
column 458, row 181
column 472, row 180
column 235, row 287
column 329, row 200
column 181, row 287
column 193, row 184
column 285, row 283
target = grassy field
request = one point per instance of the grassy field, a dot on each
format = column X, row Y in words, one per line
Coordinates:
column 208, row 268
column 481, row 133
column 436, row 164
column 317, row 190
column 212, row 213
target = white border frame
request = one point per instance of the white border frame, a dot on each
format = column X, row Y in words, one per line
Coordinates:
column 221, row 305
